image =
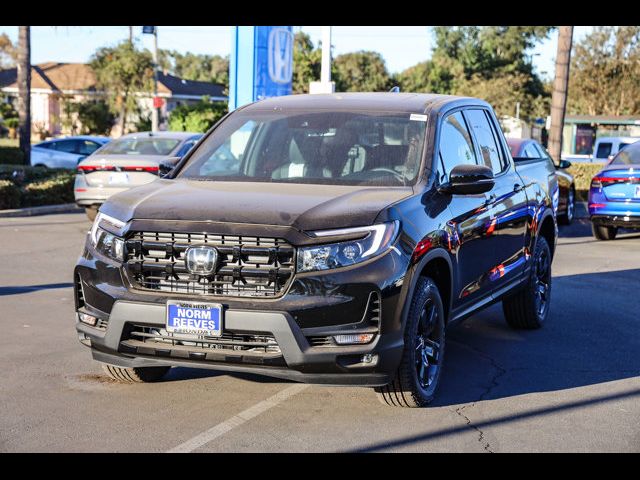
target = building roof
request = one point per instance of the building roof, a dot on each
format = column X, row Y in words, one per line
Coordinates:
column 179, row 86
column 63, row 77
column 603, row 119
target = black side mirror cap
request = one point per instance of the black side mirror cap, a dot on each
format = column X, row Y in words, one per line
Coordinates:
column 167, row 166
column 564, row 164
column 469, row 180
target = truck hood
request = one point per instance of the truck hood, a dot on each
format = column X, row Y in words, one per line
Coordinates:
column 304, row 207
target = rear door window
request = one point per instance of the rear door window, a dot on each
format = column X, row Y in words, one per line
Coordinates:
column 456, row 146
column 604, row 150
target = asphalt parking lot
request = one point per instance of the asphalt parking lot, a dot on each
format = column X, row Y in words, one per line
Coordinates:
column 572, row 386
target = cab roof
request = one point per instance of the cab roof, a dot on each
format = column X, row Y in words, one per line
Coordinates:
column 363, row 101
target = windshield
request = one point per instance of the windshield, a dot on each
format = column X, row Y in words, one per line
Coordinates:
column 325, row 147
column 629, row 156
column 140, row 146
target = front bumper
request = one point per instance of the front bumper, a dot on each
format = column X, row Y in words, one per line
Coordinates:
column 319, row 304
column 304, row 363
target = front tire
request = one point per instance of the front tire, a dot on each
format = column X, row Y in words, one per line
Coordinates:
column 136, row 374
column 602, row 232
column 416, row 380
column 529, row 308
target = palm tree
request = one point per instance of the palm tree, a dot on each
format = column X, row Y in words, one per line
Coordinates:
column 24, row 92
column 559, row 96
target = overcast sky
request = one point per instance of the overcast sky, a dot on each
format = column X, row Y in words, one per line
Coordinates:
column 401, row 47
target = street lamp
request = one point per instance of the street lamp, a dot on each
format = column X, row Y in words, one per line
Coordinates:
column 157, row 101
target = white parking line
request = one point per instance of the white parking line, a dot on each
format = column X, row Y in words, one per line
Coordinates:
column 237, row 420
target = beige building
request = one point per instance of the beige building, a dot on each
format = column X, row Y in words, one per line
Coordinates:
column 52, row 84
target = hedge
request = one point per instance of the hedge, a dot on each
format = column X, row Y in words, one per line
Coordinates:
column 10, row 155
column 30, row 187
column 582, row 175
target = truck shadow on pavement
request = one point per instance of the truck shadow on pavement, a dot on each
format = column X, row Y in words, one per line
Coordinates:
column 590, row 337
column 17, row 290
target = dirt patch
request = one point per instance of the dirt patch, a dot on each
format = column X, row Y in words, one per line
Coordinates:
column 91, row 382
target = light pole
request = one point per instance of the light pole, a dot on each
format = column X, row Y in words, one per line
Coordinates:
column 155, row 111
column 325, row 85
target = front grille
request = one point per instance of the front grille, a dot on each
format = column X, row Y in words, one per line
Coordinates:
column 232, row 347
column 247, row 266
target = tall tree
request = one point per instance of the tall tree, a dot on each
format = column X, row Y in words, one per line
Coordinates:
column 362, row 71
column 605, row 72
column 488, row 62
column 24, row 92
column 559, row 96
column 307, row 60
column 122, row 72
column 7, row 52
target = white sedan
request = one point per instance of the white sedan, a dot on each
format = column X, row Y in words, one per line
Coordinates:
column 65, row 152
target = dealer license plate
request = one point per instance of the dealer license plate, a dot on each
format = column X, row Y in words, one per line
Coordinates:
column 194, row 318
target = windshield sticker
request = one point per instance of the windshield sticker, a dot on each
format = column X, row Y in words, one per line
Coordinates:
column 418, row 117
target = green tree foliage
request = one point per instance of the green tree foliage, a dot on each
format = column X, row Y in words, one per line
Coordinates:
column 122, row 71
column 605, row 73
column 7, row 52
column 198, row 117
column 94, row 117
column 190, row 66
column 487, row 62
column 307, row 61
column 362, row 71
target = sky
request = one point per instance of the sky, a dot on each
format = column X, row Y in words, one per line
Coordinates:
column 401, row 47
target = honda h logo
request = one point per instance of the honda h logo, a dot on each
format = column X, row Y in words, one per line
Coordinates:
column 280, row 51
column 201, row 260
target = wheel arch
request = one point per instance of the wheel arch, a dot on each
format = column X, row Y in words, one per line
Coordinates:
column 437, row 265
column 548, row 230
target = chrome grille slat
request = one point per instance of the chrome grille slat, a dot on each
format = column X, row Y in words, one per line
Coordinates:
column 247, row 266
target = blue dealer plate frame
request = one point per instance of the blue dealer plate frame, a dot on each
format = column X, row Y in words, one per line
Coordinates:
column 194, row 318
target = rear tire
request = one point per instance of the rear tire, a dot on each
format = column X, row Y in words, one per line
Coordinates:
column 136, row 374
column 91, row 212
column 528, row 309
column 602, row 232
column 416, row 380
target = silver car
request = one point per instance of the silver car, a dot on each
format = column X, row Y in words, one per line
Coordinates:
column 65, row 152
column 127, row 162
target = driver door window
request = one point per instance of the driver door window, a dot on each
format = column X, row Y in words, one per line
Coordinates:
column 456, row 146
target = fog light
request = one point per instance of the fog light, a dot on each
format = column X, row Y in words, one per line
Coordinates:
column 368, row 358
column 88, row 319
column 353, row 339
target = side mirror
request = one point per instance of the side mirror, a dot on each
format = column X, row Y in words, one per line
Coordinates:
column 167, row 166
column 469, row 180
column 564, row 164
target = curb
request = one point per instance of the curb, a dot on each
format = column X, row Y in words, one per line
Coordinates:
column 43, row 210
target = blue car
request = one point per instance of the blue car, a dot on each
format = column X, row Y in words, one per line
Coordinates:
column 614, row 197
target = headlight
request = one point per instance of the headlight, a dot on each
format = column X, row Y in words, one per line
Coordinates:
column 334, row 255
column 104, row 241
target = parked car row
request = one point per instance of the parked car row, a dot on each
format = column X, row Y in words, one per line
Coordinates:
column 523, row 150
column 131, row 160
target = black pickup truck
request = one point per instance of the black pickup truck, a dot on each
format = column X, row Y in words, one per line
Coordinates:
column 321, row 238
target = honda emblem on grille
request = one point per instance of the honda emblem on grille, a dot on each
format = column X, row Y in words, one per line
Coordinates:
column 201, row 260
